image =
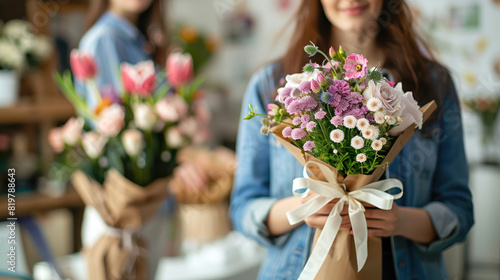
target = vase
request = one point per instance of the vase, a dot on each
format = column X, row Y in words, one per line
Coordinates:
column 9, row 83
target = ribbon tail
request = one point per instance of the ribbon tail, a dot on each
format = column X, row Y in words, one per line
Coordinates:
column 360, row 232
column 299, row 214
column 324, row 243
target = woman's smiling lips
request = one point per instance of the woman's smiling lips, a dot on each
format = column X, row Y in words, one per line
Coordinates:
column 354, row 11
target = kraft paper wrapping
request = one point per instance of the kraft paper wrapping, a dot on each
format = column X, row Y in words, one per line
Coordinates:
column 125, row 207
column 341, row 263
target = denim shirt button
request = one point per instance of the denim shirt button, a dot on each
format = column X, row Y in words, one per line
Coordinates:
column 401, row 263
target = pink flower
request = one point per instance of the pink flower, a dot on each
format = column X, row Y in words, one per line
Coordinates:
column 132, row 142
column 320, row 114
column 321, row 78
column 189, row 126
column 55, row 140
column 392, row 84
column 83, row 65
column 337, row 120
column 201, row 111
column 111, row 120
column 174, row 138
column 331, row 52
column 93, row 144
column 310, row 126
column 72, row 131
column 296, row 121
column 287, row 132
column 272, row 109
column 144, row 116
column 305, row 118
column 180, row 69
column 309, row 145
column 298, row 133
column 355, row 66
column 138, row 79
column 315, row 86
column 171, row 108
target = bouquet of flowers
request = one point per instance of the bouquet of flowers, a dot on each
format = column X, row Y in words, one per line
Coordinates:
column 345, row 123
column 123, row 147
column 20, row 48
column 487, row 108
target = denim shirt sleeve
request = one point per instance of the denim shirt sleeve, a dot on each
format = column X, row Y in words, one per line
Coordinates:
column 451, row 208
column 108, row 54
column 251, row 201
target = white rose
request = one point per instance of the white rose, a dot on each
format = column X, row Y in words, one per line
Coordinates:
column 144, row 116
column 132, row 142
column 295, row 80
column 72, row 131
column 93, row 144
column 174, row 138
column 10, row 56
column 111, row 120
column 410, row 114
column 189, row 126
column 390, row 97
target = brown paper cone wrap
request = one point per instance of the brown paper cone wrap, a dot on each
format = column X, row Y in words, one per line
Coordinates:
column 204, row 223
column 341, row 263
column 123, row 205
column 218, row 165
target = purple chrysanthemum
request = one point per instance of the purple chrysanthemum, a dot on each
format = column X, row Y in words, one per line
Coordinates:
column 310, row 126
column 342, row 87
column 296, row 121
column 309, row 145
column 336, row 121
column 287, row 132
column 320, row 114
column 298, row 133
column 305, row 86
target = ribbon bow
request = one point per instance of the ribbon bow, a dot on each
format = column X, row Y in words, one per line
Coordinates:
column 373, row 193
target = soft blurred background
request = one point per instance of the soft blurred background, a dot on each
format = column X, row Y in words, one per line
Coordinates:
column 229, row 40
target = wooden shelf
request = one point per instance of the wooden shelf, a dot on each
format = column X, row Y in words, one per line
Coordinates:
column 33, row 203
column 27, row 111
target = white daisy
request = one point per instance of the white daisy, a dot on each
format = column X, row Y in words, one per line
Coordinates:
column 361, row 158
column 350, row 122
column 377, row 145
column 383, row 140
column 335, row 151
column 337, row 135
column 362, row 124
column 357, row 142
column 379, row 117
column 374, row 104
column 392, row 121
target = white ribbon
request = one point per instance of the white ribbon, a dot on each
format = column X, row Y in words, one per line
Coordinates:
column 373, row 193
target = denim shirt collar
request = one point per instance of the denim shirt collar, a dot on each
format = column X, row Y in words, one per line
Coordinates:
column 125, row 27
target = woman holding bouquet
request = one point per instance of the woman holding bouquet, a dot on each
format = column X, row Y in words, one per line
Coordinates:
column 130, row 31
column 436, row 209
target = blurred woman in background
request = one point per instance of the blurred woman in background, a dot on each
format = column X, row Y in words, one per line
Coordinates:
column 436, row 209
column 130, row 31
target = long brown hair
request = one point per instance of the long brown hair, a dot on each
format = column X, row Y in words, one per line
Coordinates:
column 150, row 23
column 401, row 45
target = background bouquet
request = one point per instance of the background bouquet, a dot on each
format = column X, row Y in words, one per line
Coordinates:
column 345, row 123
column 20, row 48
column 123, row 147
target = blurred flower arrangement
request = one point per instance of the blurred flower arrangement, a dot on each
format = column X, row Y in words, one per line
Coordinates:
column 20, row 48
column 342, row 112
column 487, row 108
column 193, row 41
column 137, row 132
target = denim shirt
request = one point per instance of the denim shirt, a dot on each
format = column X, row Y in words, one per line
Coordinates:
column 113, row 40
column 433, row 170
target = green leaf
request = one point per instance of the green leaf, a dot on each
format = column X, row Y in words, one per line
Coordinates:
column 161, row 92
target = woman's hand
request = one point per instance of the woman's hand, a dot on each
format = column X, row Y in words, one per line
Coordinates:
column 191, row 176
column 382, row 223
column 318, row 219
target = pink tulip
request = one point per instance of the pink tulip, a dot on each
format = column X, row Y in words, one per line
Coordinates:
column 83, row 65
column 331, row 52
column 180, row 69
column 56, row 141
column 138, row 79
